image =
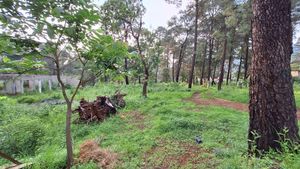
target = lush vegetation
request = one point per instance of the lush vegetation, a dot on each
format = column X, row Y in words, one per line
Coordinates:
column 105, row 47
column 149, row 133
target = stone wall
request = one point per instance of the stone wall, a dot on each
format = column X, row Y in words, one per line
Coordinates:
column 16, row 83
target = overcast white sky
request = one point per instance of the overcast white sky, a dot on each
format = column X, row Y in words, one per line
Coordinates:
column 158, row 12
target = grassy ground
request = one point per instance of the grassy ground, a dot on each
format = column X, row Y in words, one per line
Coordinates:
column 241, row 95
column 157, row 132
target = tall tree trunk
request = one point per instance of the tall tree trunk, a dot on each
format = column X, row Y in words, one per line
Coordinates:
column 230, row 57
column 240, row 68
column 222, row 63
column 156, row 74
column 146, row 70
column 191, row 75
column 210, row 53
column 181, row 56
column 211, row 47
column 246, row 57
column 214, row 75
column 126, row 60
column 69, row 110
column 181, row 53
column 145, row 81
column 272, row 103
column 126, row 69
column 173, row 68
column 68, row 135
column 203, row 64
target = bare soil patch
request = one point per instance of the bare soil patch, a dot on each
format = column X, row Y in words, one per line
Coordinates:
column 177, row 155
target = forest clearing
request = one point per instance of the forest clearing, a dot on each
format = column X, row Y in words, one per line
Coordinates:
column 157, row 132
column 151, row 84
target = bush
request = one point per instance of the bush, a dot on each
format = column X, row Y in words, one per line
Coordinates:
column 21, row 136
column 28, row 99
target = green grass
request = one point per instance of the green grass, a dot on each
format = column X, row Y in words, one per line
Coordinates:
column 237, row 94
column 149, row 133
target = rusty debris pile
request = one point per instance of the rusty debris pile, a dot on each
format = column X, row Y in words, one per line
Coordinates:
column 101, row 108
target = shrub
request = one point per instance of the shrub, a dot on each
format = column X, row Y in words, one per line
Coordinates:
column 21, row 136
column 28, row 99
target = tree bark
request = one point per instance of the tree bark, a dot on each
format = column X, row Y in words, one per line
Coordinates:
column 68, row 135
column 191, row 75
column 246, row 57
column 272, row 103
column 240, row 68
column 126, row 69
column 211, row 47
column 230, row 57
column 222, row 63
column 126, row 60
column 173, row 67
column 203, row 64
column 210, row 53
column 140, row 52
column 181, row 56
column 214, row 75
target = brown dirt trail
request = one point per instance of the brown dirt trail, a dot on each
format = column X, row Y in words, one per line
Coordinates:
column 223, row 103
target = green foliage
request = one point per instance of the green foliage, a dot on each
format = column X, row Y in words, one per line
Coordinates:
column 21, row 136
column 163, row 121
column 239, row 94
column 27, row 99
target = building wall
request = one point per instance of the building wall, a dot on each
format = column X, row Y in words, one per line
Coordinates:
column 14, row 83
column 295, row 73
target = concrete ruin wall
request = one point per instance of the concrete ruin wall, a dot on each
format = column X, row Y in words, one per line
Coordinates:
column 16, row 83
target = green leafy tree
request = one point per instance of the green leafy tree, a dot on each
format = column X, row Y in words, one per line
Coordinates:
column 64, row 33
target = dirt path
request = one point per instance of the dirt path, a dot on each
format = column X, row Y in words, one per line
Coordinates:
column 223, row 103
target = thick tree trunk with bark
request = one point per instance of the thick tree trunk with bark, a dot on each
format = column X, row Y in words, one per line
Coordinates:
column 272, row 104
column 222, row 63
column 191, row 75
column 203, row 64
